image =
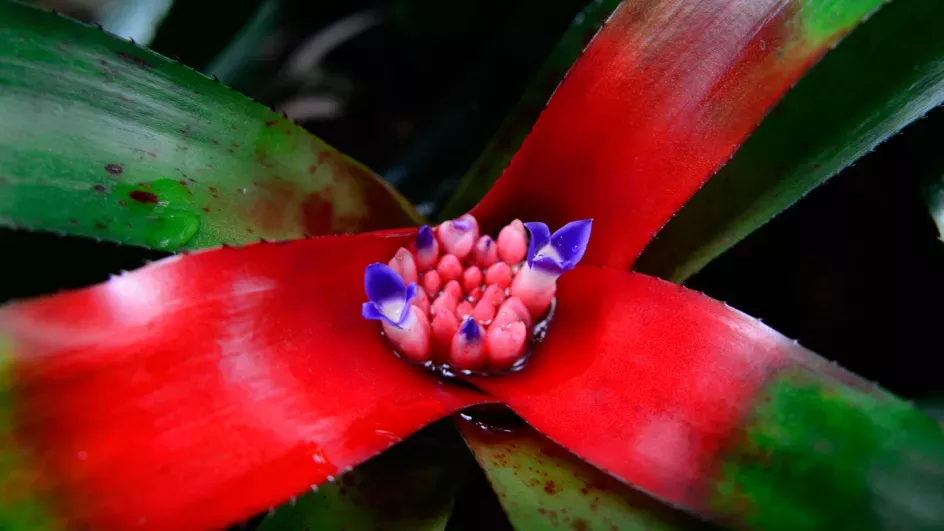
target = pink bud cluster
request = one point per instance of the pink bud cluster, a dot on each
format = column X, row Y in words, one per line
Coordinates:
column 472, row 310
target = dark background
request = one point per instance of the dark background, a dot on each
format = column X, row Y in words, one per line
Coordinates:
column 853, row 271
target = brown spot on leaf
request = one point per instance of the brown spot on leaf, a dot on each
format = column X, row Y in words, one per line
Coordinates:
column 312, row 169
column 317, row 213
column 270, row 123
column 99, row 188
column 550, row 487
column 101, row 226
column 143, row 197
column 114, row 169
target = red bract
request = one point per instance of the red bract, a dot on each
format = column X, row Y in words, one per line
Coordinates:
column 204, row 388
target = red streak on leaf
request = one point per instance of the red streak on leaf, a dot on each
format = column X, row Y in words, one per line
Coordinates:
column 204, row 388
column 658, row 102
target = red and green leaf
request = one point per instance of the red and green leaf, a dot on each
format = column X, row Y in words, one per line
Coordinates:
column 204, row 388
column 660, row 99
column 106, row 139
column 886, row 74
column 666, row 389
column 543, row 486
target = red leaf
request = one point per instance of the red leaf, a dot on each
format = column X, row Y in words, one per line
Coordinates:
column 658, row 102
column 204, row 388
column 645, row 379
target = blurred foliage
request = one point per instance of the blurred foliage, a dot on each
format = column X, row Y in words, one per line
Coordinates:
column 412, row 88
column 134, row 19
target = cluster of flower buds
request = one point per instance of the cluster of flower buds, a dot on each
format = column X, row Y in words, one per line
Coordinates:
column 466, row 301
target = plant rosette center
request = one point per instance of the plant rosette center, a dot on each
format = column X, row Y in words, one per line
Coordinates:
column 458, row 301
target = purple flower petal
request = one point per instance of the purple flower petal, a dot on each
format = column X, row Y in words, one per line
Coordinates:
column 570, row 242
column 410, row 293
column 470, row 330
column 540, row 236
column 370, row 311
column 424, row 238
column 383, row 284
column 462, row 224
column 560, row 252
column 389, row 297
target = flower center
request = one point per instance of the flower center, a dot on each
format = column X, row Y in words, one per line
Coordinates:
column 462, row 301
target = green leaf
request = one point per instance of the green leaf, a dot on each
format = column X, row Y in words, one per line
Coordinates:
column 512, row 132
column 105, row 139
column 543, row 486
column 411, row 486
column 887, row 73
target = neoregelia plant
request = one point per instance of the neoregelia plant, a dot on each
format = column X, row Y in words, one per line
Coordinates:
column 204, row 388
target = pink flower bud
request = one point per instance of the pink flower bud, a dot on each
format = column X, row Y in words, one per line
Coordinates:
column 412, row 341
column 484, row 311
column 506, row 345
column 494, row 295
column 444, row 301
column 431, row 282
column 404, row 265
column 468, row 346
column 421, row 300
column 449, row 268
column 513, row 310
column 442, row 330
column 458, row 236
column 499, row 274
column 471, row 279
column 454, row 290
column 513, row 243
column 535, row 289
column 485, row 252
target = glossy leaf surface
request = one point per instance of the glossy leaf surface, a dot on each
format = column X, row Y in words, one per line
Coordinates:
column 889, row 72
column 411, row 486
column 204, row 388
column 658, row 102
column 654, row 383
column 105, row 139
column 543, row 486
column 502, row 147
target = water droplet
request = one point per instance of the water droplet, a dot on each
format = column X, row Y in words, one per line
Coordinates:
column 173, row 229
column 242, row 190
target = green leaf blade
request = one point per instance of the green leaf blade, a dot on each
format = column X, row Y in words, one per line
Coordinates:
column 104, row 139
column 886, row 74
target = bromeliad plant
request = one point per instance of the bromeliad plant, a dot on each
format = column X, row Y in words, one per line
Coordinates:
column 209, row 386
